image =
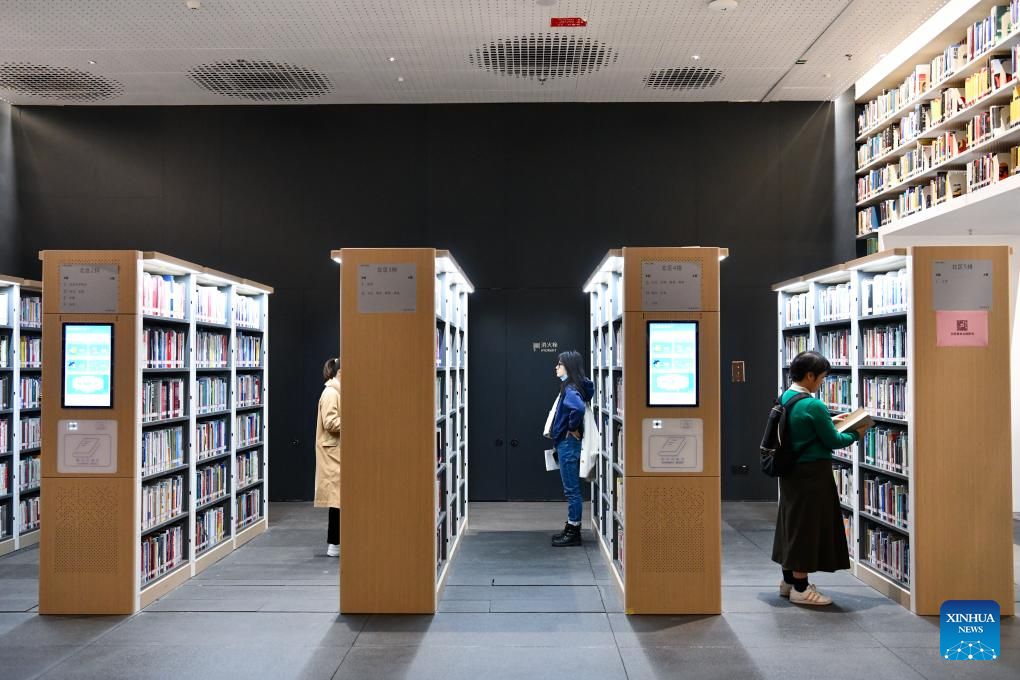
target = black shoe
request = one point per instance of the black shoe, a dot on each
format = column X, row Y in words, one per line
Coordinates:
column 571, row 536
column 566, row 527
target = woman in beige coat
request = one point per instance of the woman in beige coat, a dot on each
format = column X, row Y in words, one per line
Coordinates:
column 327, row 454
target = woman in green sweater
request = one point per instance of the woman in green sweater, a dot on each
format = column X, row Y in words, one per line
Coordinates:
column 809, row 529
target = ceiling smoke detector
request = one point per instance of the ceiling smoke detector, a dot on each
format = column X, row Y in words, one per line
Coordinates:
column 55, row 82
column 686, row 78
column 723, row 5
column 260, row 80
column 543, row 56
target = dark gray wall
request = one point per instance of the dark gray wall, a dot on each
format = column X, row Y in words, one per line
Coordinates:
column 527, row 196
column 10, row 235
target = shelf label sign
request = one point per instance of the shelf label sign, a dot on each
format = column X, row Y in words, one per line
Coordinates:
column 961, row 285
column 88, row 288
column 671, row 285
column 961, row 329
column 387, row 288
column 87, row 446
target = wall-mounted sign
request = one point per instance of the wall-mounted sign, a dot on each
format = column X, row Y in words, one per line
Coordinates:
column 961, row 329
column 87, row 446
column 545, row 346
column 88, row 288
column 387, row 288
column 961, row 285
column 671, row 286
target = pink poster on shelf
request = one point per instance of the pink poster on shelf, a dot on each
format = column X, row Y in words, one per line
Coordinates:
column 961, row 329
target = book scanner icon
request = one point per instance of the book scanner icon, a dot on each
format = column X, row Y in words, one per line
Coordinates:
column 86, row 449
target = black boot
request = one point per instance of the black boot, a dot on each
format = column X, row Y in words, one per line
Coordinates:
column 571, row 536
column 566, row 527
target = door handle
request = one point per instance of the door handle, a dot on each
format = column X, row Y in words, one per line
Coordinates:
column 498, row 442
column 514, row 443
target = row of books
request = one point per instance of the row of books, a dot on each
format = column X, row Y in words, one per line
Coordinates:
column 31, row 433
column 248, row 469
column 835, row 346
column 848, row 530
column 247, row 311
column 884, row 396
column 212, row 305
column 249, row 390
column 165, row 347
column 210, row 438
column 997, row 74
column 985, row 125
column 31, row 351
column 5, row 392
column 886, row 499
column 925, row 156
column 249, row 507
column 5, row 305
column 29, row 473
column 834, row 302
column 162, row 450
column 5, row 351
column 884, row 345
column 164, row 295
column 210, row 527
column 618, row 392
column 440, row 394
column 31, row 311
column 211, row 481
column 797, row 309
column 162, row 398
column 30, row 513
column 794, row 345
column 30, row 392
column 981, row 38
column 5, row 517
column 249, row 350
column 887, row 551
column 162, row 500
column 249, row 428
column 5, row 435
column 162, row 552
column 837, row 392
column 212, row 394
column 884, row 293
column 5, row 479
column 887, row 448
column 991, row 168
column 212, row 350
column 844, row 478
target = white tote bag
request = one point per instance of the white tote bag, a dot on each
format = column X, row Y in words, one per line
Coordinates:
column 589, row 445
column 550, row 454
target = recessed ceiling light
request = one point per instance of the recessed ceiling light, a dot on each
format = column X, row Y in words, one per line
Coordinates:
column 391, row 59
column 92, row 61
column 828, row 75
column 695, row 57
column 194, row 4
column 400, row 79
column 723, row 5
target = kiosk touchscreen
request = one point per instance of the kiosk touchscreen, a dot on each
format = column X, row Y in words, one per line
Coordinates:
column 672, row 363
column 87, row 365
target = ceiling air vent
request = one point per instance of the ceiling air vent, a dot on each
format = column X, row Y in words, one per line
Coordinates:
column 687, row 78
column 543, row 56
column 55, row 82
column 260, row 81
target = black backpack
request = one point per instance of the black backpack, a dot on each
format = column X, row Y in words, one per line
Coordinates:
column 777, row 454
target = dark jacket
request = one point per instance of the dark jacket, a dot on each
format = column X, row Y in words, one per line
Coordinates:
column 570, row 413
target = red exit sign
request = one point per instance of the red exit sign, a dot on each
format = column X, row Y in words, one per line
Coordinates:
column 567, row 22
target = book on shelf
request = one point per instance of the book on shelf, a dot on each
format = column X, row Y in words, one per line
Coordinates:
column 30, row 513
column 836, row 391
column 249, row 350
column 885, row 396
column 164, row 347
column 886, row 499
column 886, row 447
column 31, row 433
column 210, row 438
column 848, row 530
column 4, row 518
column 797, row 310
column 29, row 473
column 794, row 345
column 162, row 500
column 162, row 399
column 834, row 302
column 884, row 293
column 163, row 295
column 5, row 479
column 249, row 507
column 248, row 468
column 834, row 346
column 5, row 302
column 31, row 311
column 212, row 394
column 5, row 351
column 5, row 392
column 210, row 527
column 212, row 305
column 5, row 436
column 162, row 552
column 212, row 350
column 31, row 351
column 855, row 420
column 162, row 449
column 887, row 551
column 211, row 481
column 249, row 428
column 844, row 478
column 249, row 390
column 884, row 345
column 247, row 311
column 30, row 392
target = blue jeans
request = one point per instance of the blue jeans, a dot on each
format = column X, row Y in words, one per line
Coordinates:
column 568, row 452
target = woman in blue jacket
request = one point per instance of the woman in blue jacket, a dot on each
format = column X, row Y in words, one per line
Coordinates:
column 566, row 431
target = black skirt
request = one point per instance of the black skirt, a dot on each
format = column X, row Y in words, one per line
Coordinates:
column 809, row 530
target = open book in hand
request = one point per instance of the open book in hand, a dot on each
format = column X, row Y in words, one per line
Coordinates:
column 855, row 421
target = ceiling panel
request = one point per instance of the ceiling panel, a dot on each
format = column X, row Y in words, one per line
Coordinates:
column 149, row 47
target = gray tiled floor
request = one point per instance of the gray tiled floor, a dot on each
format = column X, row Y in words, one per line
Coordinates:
column 513, row 608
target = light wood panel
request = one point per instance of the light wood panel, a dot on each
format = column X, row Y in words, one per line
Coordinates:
column 387, row 440
column 673, row 547
column 962, row 468
column 709, row 258
column 128, row 269
column 635, row 387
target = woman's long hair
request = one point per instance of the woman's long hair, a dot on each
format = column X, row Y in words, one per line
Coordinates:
column 573, row 362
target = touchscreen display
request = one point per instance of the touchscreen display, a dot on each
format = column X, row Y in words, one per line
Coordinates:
column 672, row 363
column 88, row 365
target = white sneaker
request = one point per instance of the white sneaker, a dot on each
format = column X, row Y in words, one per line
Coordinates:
column 332, row 550
column 784, row 589
column 810, row 596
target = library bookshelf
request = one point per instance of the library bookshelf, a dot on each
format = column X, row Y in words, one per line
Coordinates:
column 20, row 404
column 657, row 517
column 926, row 495
column 189, row 473
column 940, row 130
column 404, row 433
